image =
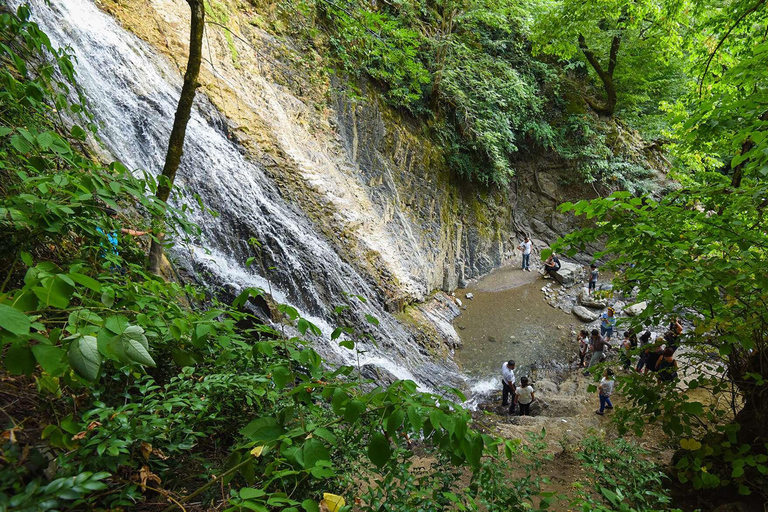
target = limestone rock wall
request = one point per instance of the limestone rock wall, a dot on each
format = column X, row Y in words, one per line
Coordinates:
column 369, row 179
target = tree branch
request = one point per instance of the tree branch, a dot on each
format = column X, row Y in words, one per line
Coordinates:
column 722, row 40
column 615, row 44
column 591, row 57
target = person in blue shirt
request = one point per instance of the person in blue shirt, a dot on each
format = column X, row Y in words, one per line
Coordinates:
column 112, row 236
column 607, row 322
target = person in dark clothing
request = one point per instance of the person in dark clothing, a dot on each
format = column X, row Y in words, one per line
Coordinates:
column 672, row 336
column 666, row 366
column 645, row 340
column 653, row 358
column 551, row 266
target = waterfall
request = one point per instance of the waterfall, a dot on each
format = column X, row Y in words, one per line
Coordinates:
column 133, row 92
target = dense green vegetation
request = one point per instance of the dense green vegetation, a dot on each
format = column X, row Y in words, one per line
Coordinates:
column 126, row 390
column 466, row 69
column 700, row 253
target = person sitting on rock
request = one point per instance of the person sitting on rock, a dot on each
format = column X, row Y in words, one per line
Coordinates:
column 551, row 266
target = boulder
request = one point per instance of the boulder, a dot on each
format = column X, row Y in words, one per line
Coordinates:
column 568, row 273
column 635, row 309
column 590, row 301
column 584, row 314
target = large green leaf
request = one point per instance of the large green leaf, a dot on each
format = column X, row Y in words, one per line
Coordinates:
column 13, row 320
column 353, row 411
column 313, row 451
column 86, row 281
column 263, row 430
column 19, row 360
column 84, row 357
column 54, row 292
column 135, row 345
column 379, row 450
column 50, row 358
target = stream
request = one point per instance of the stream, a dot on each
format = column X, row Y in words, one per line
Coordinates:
column 508, row 318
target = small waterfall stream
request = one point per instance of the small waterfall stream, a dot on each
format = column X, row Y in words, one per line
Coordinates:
column 133, row 94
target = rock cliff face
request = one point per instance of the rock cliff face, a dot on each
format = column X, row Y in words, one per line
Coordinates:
column 369, row 179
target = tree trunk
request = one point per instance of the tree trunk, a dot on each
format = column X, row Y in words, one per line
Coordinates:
column 183, row 111
column 606, row 75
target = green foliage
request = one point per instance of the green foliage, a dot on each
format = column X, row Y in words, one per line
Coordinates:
column 648, row 38
column 619, row 477
column 464, row 67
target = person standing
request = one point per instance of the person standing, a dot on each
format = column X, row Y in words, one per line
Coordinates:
column 666, row 366
column 645, row 345
column 672, row 336
column 524, row 396
column 508, row 384
column 598, row 347
column 526, row 247
column 653, row 358
column 626, row 350
column 607, row 323
column 583, row 340
column 593, row 273
column 605, row 390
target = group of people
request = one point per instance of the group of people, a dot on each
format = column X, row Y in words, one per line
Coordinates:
column 551, row 266
column 654, row 357
column 513, row 395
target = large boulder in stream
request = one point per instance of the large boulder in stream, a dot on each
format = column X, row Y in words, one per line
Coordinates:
column 568, row 273
column 584, row 314
column 590, row 301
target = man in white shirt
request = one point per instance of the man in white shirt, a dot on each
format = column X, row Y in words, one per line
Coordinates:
column 526, row 248
column 508, row 383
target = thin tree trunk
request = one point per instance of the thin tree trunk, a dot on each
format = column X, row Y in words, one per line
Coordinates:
column 183, row 111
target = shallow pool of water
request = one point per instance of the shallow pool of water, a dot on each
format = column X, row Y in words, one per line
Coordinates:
column 509, row 319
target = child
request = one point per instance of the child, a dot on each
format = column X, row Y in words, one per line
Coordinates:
column 605, row 389
column 524, row 394
column 593, row 273
column 626, row 349
column 583, row 341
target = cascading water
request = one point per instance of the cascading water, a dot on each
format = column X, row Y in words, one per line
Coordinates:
column 133, row 93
